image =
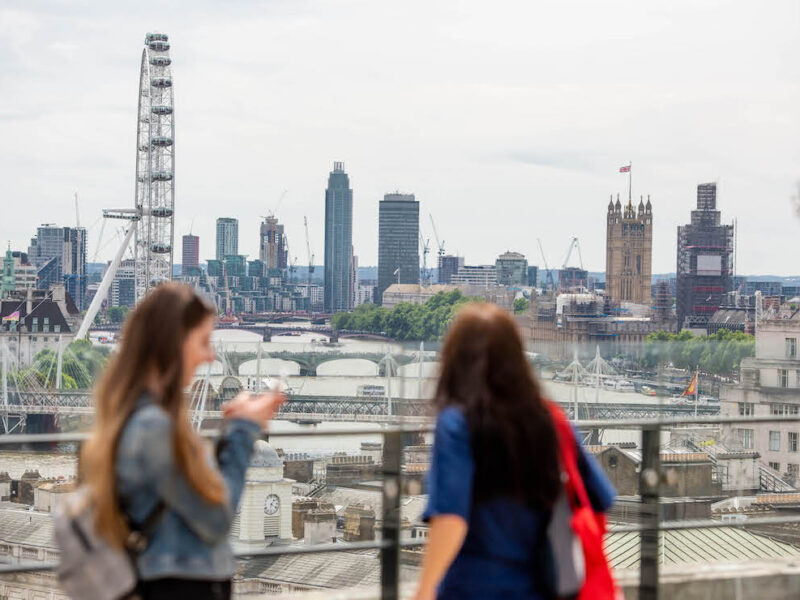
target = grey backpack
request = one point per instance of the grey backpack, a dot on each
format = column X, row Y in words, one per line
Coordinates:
column 566, row 551
column 90, row 568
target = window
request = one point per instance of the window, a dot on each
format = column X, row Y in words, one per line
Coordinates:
column 783, row 378
column 775, row 466
column 745, row 438
column 775, row 441
column 779, row 408
column 46, row 324
column 746, row 409
column 35, row 324
column 57, row 328
column 792, row 441
column 793, row 469
column 791, row 347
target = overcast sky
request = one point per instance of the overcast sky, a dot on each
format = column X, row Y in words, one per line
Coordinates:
column 508, row 120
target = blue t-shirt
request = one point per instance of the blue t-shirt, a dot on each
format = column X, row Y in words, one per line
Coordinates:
column 496, row 559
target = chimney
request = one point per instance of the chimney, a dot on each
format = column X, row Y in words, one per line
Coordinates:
column 29, row 301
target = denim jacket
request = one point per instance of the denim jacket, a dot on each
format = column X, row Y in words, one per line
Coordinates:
column 190, row 540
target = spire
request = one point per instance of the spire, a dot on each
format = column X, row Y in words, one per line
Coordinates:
column 641, row 204
column 648, row 206
column 618, row 206
column 610, row 202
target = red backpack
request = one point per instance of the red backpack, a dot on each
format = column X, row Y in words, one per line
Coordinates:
column 588, row 526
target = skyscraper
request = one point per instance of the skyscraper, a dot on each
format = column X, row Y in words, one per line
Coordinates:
column 59, row 253
column 73, row 263
column 398, row 241
column 190, row 258
column 338, row 241
column 512, row 269
column 448, row 265
column 227, row 237
column 705, row 262
column 629, row 251
column 272, row 244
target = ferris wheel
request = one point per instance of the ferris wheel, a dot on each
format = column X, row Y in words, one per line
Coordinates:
column 155, row 167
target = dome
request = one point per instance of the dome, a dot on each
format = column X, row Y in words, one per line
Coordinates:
column 264, row 455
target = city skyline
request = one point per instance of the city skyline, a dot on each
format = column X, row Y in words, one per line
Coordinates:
column 667, row 110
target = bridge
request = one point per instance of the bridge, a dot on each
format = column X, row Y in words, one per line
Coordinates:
column 268, row 331
column 315, row 409
column 310, row 360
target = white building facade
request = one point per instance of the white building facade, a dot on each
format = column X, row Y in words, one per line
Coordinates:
column 770, row 385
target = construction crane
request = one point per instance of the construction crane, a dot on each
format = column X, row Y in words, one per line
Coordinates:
column 574, row 243
column 425, row 246
column 310, row 262
column 292, row 262
column 77, row 213
column 550, row 283
column 439, row 246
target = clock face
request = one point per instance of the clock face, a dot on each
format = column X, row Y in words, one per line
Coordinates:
column 272, row 504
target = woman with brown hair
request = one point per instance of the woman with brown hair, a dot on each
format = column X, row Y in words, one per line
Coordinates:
column 144, row 460
column 495, row 471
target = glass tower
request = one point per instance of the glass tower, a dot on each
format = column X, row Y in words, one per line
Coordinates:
column 227, row 237
column 338, row 241
column 398, row 241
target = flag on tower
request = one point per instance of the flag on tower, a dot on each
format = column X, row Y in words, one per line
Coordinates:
column 625, row 169
column 691, row 389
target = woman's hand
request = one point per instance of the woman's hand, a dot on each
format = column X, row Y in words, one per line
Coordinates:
column 259, row 408
column 428, row 594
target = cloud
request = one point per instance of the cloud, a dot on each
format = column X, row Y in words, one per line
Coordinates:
column 508, row 120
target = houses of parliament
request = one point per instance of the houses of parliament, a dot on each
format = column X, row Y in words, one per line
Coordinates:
column 629, row 251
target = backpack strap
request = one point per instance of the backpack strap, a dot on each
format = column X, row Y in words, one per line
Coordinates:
column 568, row 454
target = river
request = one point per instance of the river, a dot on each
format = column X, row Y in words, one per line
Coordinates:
column 341, row 377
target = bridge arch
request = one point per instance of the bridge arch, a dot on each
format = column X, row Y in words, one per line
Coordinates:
column 359, row 367
column 269, row 366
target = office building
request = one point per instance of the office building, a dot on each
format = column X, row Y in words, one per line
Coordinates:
column 573, row 279
column 18, row 273
column 190, row 259
column 227, row 237
column 512, row 269
column 533, row 276
column 123, row 287
column 398, row 241
column 629, row 252
column 705, row 262
column 59, row 254
column 480, row 275
column 272, row 252
column 770, row 383
column 448, row 265
column 338, row 241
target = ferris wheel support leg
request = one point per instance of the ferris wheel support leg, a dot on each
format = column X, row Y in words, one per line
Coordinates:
column 102, row 291
column 5, row 385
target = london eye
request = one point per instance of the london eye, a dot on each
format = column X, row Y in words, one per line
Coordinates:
column 155, row 167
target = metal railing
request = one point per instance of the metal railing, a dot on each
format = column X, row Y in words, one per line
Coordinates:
column 389, row 546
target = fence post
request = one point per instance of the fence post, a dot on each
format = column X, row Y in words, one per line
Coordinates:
column 390, row 532
column 649, row 490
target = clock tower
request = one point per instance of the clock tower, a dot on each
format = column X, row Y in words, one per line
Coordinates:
column 265, row 511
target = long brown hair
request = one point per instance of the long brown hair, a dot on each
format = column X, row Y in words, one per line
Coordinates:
column 152, row 341
column 484, row 371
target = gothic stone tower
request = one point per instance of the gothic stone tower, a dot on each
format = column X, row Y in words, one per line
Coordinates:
column 629, row 252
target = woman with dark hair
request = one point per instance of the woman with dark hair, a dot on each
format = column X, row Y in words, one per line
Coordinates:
column 144, row 462
column 495, row 470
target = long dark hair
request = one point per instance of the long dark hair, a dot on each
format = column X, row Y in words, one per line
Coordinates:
column 485, row 372
column 152, row 338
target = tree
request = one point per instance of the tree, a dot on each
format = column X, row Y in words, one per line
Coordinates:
column 117, row 314
column 720, row 353
column 406, row 321
column 521, row 305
